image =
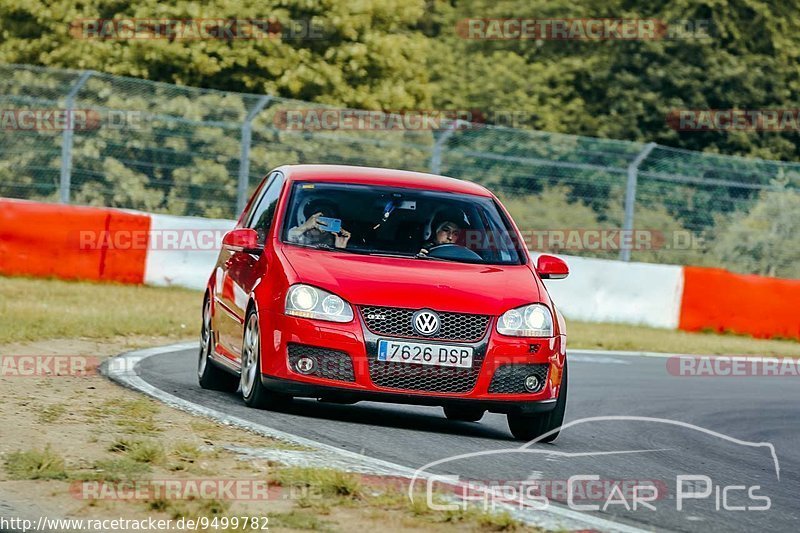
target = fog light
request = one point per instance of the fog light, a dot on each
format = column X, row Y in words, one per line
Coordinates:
column 532, row 383
column 305, row 365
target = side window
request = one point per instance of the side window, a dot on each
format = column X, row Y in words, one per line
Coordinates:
column 261, row 219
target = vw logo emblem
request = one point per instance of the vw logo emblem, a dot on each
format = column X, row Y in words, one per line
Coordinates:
column 425, row 322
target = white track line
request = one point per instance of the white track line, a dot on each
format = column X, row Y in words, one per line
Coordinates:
column 660, row 355
column 622, row 353
column 122, row 369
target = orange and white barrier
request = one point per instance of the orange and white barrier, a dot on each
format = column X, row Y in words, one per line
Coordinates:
column 718, row 300
column 602, row 290
column 101, row 244
column 182, row 250
column 44, row 240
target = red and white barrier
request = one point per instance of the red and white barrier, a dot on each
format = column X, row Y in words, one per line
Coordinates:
column 184, row 250
column 44, row 240
column 601, row 290
column 69, row 242
column 717, row 300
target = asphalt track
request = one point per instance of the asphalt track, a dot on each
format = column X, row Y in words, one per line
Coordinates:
column 740, row 410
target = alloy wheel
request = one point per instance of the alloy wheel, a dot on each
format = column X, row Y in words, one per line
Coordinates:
column 250, row 353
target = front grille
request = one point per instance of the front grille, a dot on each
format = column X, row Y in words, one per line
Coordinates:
column 510, row 379
column 331, row 364
column 397, row 322
column 429, row 378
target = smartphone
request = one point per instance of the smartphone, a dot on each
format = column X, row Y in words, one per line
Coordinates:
column 334, row 225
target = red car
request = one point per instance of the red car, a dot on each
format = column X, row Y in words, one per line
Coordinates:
column 351, row 283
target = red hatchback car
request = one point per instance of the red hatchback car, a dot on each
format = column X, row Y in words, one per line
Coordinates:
column 351, row 283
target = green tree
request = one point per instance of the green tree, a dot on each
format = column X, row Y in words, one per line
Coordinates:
column 367, row 56
column 763, row 240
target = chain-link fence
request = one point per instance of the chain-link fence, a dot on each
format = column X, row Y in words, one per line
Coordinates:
column 169, row 149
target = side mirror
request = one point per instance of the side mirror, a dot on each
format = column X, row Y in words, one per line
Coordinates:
column 242, row 240
column 551, row 267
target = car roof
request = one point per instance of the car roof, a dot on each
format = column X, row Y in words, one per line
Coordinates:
column 382, row 176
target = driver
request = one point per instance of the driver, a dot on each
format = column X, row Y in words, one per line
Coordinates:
column 311, row 231
column 446, row 232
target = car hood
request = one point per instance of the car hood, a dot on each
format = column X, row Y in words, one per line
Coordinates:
column 415, row 283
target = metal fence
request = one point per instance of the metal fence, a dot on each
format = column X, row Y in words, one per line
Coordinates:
column 187, row 151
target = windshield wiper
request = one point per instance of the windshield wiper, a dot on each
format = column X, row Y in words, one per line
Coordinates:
column 429, row 258
column 321, row 246
column 380, row 253
column 329, row 248
column 376, row 253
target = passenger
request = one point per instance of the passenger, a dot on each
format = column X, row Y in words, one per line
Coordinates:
column 311, row 231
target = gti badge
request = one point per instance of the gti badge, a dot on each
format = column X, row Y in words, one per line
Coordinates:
column 425, row 322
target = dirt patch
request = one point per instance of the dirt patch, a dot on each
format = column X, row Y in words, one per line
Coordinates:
column 83, row 447
column 84, row 420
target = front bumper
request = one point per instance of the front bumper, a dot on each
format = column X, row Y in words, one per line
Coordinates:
column 347, row 395
column 491, row 353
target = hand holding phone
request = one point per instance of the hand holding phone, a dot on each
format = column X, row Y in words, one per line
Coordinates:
column 333, row 225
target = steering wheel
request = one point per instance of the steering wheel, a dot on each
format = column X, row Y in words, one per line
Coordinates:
column 453, row 251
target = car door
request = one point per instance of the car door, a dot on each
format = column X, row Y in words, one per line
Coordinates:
column 239, row 271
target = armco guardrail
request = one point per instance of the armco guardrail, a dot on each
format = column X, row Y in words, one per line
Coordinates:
column 52, row 240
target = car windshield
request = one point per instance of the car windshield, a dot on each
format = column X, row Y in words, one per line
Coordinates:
column 377, row 220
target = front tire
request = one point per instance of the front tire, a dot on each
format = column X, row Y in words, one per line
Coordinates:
column 464, row 414
column 253, row 391
column 209, row 375
column 528, row 427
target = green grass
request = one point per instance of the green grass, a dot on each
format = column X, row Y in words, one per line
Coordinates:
column 303, row 520
column 51, row 413
column 471, row 517
column 136, row 417
column 61, row 309
column 40, row 309
column 35, row 464
column 323, row 482
column 147, row 452
column 114, row 471
column 640, row 338
column 187, row 452
column 191, row 508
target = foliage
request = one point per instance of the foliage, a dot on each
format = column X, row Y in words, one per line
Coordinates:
column 395, row 55
column 625, row 89
column 406, row 54
column 35, row 464
column 760, row 241
column 365, row 58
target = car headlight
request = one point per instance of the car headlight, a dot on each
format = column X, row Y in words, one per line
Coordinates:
column 310, row 302
column 533, row 320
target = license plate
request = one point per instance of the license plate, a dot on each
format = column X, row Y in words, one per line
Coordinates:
column 425, row 354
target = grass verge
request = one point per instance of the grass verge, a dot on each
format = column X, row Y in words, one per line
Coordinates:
column 640, row 338
column 53, row 309
column 99, row 311
column 35, row 464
